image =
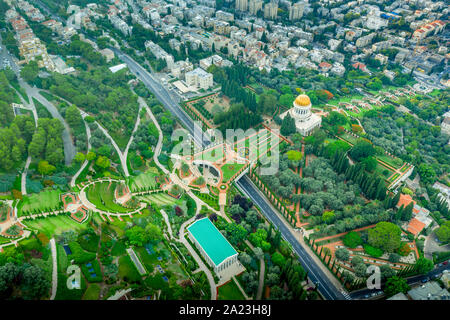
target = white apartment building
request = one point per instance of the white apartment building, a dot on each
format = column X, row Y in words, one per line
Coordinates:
column 199, row 78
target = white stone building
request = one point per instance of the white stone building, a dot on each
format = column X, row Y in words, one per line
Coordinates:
column 305, row 120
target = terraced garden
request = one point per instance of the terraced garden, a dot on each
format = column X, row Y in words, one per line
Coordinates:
column 230, row 169
column 54, row 225
column 144, row 180
column 39, row 202
column 160, row 199
column 212, row 155
column 230, row 291
column 102, row 196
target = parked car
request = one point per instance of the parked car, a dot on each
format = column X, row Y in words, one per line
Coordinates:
column 426, row 279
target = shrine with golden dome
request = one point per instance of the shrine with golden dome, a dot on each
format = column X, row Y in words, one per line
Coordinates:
column 305, row 120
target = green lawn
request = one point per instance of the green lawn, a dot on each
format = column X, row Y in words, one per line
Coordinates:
column 62, row 259
column 127, row 270
column 54, row 225
column 118, row 249
column 145, row 180
column 92, row 292
column 21, row 91
column 160, row 199
column 230, row 291
column 213, row 154
column 383, row 171
column 41, row 109
column 4, row 240
column 103, row 190
column 149, row 261
column 229, row 170
column 63, row 293
column 394, row 162
column 41, row 202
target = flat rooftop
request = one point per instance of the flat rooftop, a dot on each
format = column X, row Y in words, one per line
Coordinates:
column 211, row 240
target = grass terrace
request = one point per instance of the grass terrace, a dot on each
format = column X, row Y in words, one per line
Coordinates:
column 394, row 162
column 230, row 291
column 144, row 180
column 230, row 169
column 54, row 225
column 213, row 154
column 160, row 199
column 102, row 196
column 39, row 202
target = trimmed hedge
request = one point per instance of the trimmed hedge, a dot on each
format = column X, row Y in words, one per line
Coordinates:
column 372, row 251
column 79, row 255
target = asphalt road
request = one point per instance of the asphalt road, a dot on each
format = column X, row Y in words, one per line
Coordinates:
column 33, row 92
column 163, row 96
column 324, row 285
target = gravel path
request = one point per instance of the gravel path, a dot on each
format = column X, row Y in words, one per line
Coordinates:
column 54, row 269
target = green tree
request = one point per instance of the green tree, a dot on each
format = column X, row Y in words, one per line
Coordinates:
column 395, row 285
column 73, row 117
column 153, row 232
column 79, row 157
column 362, row 149
column 235, row 233
column 328, row 216
column 423, row 265
column 342, row 254
column 45, row 168
column 278, row 259
column 385, row 236
column 91, row 156
column 30, row 71
column 288, row 126
column 352, row 239
column 103, row 162
column 443, row 232
column 137, row 236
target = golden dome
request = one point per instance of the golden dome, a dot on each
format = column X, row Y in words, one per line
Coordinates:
column 302, row 100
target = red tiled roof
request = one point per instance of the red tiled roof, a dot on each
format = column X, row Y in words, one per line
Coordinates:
column 415, row 226
column 404, row 200
column 325, row 65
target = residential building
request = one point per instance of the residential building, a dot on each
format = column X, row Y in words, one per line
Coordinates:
column 382, row 58
column 271, row 10
column 296, row 11
column 159, row 53
column 427, row 29
column 254, row 6
column 199, row 78
column 444, row 191
column 241, row 5
column 429, row 291
column 445, row 125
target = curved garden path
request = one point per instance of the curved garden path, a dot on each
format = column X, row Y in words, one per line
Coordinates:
column 160, row 137
column 198, row 202
column 54, row 269
column 84, row 200
column 69, row 147
column 85, row 163
column 29, row 106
